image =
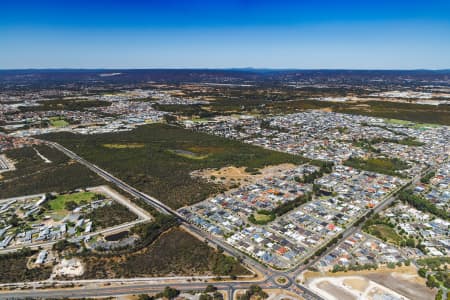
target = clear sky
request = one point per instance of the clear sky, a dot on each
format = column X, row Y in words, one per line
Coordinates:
column 358, row 34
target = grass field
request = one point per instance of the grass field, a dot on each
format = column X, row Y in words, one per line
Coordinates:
column 59, row 203
column 411, row 124
column 58, row 122
column 424, row 125
column 157, row 170
column 398, row 122
column 385, row 233
column 124, row 146
column 262, row 217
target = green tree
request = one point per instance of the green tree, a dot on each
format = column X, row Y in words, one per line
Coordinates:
column 210, row 289
column 422, row 272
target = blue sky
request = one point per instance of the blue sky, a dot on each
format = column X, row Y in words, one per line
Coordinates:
column 222, row 34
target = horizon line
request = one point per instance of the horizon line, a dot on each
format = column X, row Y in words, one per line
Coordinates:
column 218, row 68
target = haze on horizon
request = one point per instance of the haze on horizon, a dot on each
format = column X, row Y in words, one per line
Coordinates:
column 225, row 34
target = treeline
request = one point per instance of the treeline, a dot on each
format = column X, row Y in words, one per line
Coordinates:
column 149, row 232
column 387, row 233
column 435, row 270
column 253, row 292
column 408, row 141
column 420, row 203
column 186, row 110
column 223, row 265
column 290, row 205
column 354, row 267
column 426, row 179
column 269, row 217
column 325, row 168
column 280, row 209
column 368, row 144
column 168, row 293
column 65, row 104
column 388, row 166
column 325, row 247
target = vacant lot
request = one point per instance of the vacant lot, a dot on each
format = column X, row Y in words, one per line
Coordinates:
column 385, row 233
column 173, row 253
column 159, row 170
column 232, row 176
column 403, row 284
column 403, row 280
column 33, row 175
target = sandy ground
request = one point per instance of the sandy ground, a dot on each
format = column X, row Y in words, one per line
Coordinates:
column 332, row 291
column 351, row 288
column 231, row 176
column 45, row 159
column 68, row 267
column 404, row 286
column 408, row 271
column 359, row 284
column 402, row 280
column 278, row 294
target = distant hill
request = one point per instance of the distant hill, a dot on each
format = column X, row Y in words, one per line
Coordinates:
column 48, row 77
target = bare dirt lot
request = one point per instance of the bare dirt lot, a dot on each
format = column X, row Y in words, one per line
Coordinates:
column 335, row 291
column 232, row 176
column 359, row 284
column 403, row 280
column 407, row 287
